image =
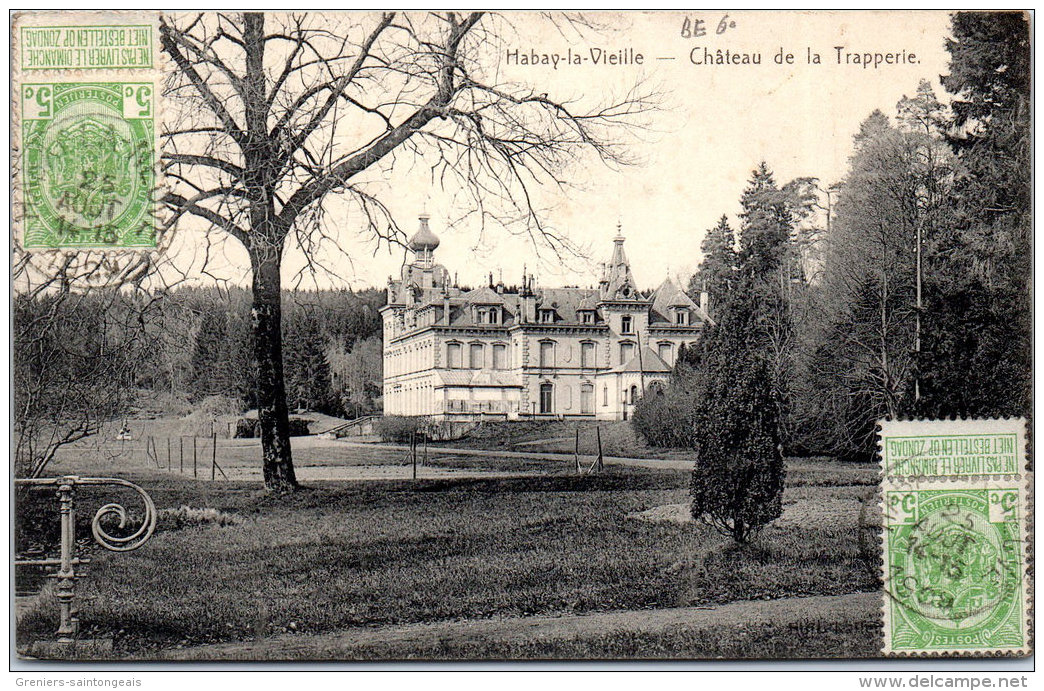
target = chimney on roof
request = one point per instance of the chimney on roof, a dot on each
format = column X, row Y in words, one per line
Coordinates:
column 527, row 300
column 603, row 281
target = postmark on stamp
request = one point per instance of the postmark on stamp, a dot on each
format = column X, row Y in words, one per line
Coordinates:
column 954, row 500
column 88, row 163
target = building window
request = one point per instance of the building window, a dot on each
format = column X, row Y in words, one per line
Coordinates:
column 634, row 395
column 626, row 324
column 587, row 317
column 477, row 353
column 453, row 353
column 605, row 395
column 547, row 353
column 499, row 356
column 547, row 398
column 666, row 352
column 547, row 316
column 587, row 355
column 681, row 317
column 626, row 352
column 489, row 315
column 586, row 398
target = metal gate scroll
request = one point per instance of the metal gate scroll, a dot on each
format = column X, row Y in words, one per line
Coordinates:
column 65, row 591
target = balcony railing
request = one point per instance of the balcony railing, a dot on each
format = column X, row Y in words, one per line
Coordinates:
column 489, row 407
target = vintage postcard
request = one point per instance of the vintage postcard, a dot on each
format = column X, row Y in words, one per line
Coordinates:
column 497, row 336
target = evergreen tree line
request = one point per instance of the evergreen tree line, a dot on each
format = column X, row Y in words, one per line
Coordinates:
column 902, row 291
column 194, row 343
column 331, row 348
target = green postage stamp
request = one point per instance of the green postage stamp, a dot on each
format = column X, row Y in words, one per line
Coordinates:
column 88, row 163
column 954, row 500
column 87, row 105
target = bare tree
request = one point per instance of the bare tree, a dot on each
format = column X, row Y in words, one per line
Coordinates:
column 76, row 357
column 273, row 114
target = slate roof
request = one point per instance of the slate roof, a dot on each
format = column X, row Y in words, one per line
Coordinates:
column 589, row 302
column 565, row 302
column 648, row 362
column 483, row 296
column 461, row 313
column 665, row 297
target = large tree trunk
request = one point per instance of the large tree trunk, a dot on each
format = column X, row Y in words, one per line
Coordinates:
column 273, row 417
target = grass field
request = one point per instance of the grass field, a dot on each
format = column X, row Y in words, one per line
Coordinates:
column 338, row 556
column 618, row 438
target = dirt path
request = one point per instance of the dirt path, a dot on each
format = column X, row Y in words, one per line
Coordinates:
column 674, row 464
column 307, row 473
column 399, row 642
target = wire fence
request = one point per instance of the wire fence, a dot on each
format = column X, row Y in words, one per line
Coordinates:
column 178, row 462
column 324, row 459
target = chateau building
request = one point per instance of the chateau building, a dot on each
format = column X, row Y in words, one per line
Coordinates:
column 529, row 351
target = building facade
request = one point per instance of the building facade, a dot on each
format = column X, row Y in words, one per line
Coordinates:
column 528, row 351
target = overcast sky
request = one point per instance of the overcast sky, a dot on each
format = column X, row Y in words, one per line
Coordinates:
column 717, row 123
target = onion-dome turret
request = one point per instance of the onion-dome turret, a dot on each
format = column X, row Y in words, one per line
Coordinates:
column 424, row 239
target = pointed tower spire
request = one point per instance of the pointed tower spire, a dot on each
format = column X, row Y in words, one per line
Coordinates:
column 619, row 282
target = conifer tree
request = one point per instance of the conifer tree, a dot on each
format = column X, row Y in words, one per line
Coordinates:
column 305, row 363
column 717, row 271
column 737, row 482
column 766, row 227
column 211, row 368
column 978, row 329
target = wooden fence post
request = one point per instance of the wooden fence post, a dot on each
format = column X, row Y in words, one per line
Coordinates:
column 424, row 461
column 168, row 453
column 413, row 452
column 598, row 431
column 576, row 451
column 181, row 454
column 213, row 455
column 193, row 455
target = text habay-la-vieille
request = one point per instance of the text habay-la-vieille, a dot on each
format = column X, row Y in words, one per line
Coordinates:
column 592, row 56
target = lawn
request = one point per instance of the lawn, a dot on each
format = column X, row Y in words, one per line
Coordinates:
column 618, row 438
column 857, row 634
column 337, row 556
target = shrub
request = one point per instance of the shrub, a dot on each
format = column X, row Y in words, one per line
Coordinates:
column 248, row 428
column 189, row 517
column 664, row 418
column 201, row 421
column 398, row 428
